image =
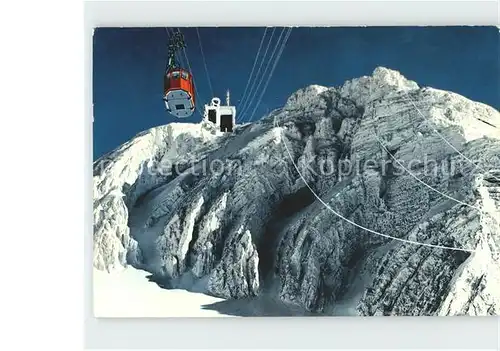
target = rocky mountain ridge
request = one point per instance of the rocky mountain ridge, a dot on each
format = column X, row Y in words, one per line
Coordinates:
column 229, row 214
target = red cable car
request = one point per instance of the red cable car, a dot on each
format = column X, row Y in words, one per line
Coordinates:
column 178, row 91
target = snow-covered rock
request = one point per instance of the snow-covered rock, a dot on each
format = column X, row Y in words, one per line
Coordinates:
column 231, row 213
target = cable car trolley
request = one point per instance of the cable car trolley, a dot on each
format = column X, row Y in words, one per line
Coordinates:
column 178, row 91
column 223, row 117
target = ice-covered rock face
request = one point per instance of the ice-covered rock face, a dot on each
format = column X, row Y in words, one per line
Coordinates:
column 232, row 214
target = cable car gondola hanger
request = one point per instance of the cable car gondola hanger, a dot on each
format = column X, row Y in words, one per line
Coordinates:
column 178, row 92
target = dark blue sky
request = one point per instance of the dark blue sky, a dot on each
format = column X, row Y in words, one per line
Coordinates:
column 128, row 65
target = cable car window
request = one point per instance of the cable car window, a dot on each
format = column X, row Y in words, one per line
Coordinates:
column 175, row 75
column 184, row 75
column 168, row 75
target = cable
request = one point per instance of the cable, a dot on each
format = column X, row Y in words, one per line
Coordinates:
column 178, row 57
column 198, row 97
column 271, row 73
column 249, row 103
column 264, row 73
column 422, row 182
column 244, row 108
column 354, row 223
column 244, row 96
column 204, row 61
column 409, row 172
column 444, row 139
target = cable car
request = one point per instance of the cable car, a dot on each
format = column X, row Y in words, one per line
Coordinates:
column 223, row 117
column 178, row 85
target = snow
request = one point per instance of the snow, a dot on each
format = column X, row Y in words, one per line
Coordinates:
column 465, row 114
column 214, row 222
column 191, row 217
column 193, row 129
column 129, row 293
column 319, row 88
column 271, row 136
column 148, row 219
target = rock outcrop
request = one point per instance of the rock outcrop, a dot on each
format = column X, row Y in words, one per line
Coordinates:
column 233, row 211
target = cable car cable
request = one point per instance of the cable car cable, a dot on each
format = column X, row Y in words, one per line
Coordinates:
column 244, row 108
column 274, row 65
column 244, row 96
column 407, row 170
column 271, row 73
column 408, row 241
column 480, row 210
column 269, row 76
column 180, row 96
column 264, row 75
column 444, row 139
column 178, row 56
column 171, row 32
column 256, row 77
column 194, row 82
column 204, row 61
column 249, row 102
column 421, row 181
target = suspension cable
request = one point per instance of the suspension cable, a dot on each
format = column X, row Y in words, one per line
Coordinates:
column 178, row 57
column 444, row 139
column 244, row 96
column 272, row 71
column 204, row 61
column 244, row 108
column 350, row 221
column 198, row 97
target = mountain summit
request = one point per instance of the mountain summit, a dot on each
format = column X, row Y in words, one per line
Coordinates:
column 269, row 209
